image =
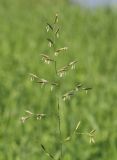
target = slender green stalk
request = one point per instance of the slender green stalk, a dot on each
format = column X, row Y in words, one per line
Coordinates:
column 56, row 68
column 60, row 133
column 47, row 153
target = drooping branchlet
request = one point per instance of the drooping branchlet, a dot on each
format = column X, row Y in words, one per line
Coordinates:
column 86, row 89
column 50, row 42
column 68, row 95
column 48, row 27
column 38, row 116
column 33, row 77
column 62, row 72
column 58, row 51
column 46, row 59
column 73, row 64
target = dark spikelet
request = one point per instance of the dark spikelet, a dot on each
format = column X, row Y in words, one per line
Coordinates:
column 50, row 26
column 51, row 156
column 46, row 152
column 42, row 146
column 49, row 40
column 57, row 31
column 42, row 81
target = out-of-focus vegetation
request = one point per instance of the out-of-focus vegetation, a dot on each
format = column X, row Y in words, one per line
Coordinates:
column 91, row 36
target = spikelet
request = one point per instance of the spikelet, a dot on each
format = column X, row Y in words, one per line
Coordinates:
column 48, row 27
column 73, row 64
column 50, row 42
column 33, row 77
column 68, row 95
column 56, row 18
column 86, row 89
column 58, row 51
column 46, row 59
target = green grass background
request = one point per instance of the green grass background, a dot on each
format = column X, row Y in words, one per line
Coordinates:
column 91, row 36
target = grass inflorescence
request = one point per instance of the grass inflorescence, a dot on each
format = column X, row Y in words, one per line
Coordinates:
column 60, row 72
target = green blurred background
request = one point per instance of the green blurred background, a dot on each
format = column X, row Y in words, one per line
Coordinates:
column 91, row 36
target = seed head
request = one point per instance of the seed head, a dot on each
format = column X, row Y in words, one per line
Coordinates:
column 46, row 59
column 56, row 18
column 23, row 119
column 78, row 86
column 57, row 33
column 48, row 27
column 68, row 95
column 86, row 89
column 33, row 76
column 42, row 82
column 72, row 64
column 58, row 51
column 53, row 84
column 62, row 72
column 50, row 42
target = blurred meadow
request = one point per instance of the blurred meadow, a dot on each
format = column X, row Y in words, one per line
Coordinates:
column 91, row 36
